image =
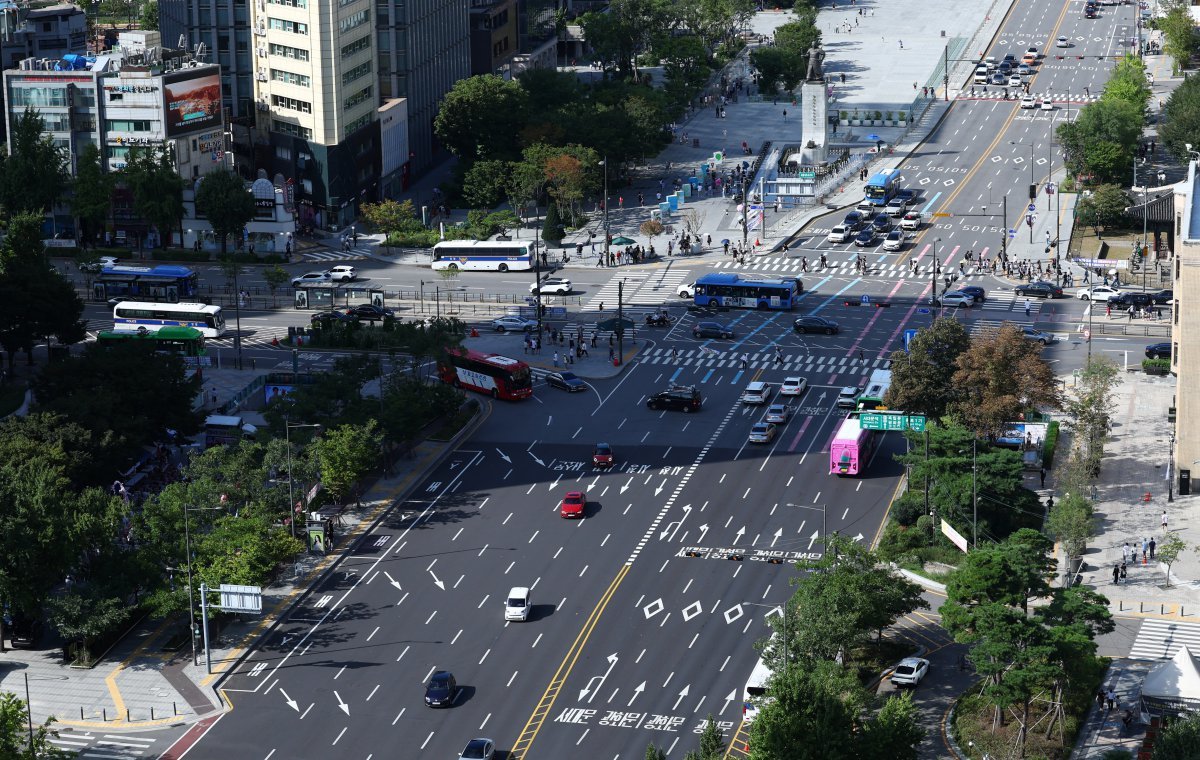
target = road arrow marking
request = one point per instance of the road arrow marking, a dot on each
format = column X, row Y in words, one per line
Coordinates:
column 859, row 537
column 290, row 702
column 813, row 539
column 732, row 696
column 640, row 688
column 660, row 488
column 393, row 581
column 345, row 707
column 535, row 458
column 682, row 693
column 599, row 680
column 625, row 487
column 673, row 526
column 504, row 456
column 778, row 533
column 703, row 530
column 437, row 583
column 821, row 397
column 741, row 532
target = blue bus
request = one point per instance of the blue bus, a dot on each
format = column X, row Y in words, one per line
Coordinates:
column 483, row 255
column 729, row 289
column 883, row 187
column 165, row 282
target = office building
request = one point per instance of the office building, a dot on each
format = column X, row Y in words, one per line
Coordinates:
column 493, row 36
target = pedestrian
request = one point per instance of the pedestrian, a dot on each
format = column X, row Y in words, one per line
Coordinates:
column 1111, row 697
column 1100, row 698
column 1043, row 474
column 1116, row 574
column 861, row 357
column 1164, row 521
column 556, row 359
column 1151, row 547
column 778, row 355
column 1028, row 308
column 901, row 44
column 785, row 114
column 674, row 354
column 1130, row 311
column 1125, row 552
column 1145, row 547
column 1127, row 721
column 1108, row 309
column 745, row 360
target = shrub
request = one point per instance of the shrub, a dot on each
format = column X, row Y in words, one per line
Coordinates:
column 1049, row 445
column 1156, row 365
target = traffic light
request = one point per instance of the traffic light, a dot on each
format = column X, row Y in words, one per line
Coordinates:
column 1033, row 191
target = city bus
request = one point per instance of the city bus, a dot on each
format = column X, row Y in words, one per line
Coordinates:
column 882, row 187
column 755, row 692
column 129, row 316
column 187, row 342
column 483, row 255
column 730, row 289
column 877, row 387
column 163, row 282
column 502, row 377
column 850, row 450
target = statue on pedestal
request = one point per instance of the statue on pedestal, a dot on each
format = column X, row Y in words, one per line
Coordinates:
column 816, row 56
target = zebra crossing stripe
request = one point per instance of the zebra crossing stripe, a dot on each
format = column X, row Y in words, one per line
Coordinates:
column 1161, row 639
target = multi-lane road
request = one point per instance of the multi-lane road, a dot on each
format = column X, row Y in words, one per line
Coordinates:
column 645, row 612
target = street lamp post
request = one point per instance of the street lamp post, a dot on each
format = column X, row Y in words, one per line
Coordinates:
column 786, row 628
column 1032, row 181
column 607, row 234
column 287, row 435
column 933, row 274
column 187, row 547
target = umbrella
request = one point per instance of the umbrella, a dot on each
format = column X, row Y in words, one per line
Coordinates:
column 873, row 137
column 725, row 241
column 623, row 241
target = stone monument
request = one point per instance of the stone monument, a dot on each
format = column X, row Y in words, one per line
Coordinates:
column 814, row 111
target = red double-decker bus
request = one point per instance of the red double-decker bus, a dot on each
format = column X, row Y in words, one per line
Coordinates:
column 502, row 377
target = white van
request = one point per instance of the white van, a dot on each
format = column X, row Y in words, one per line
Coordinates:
column 839, row 234
column 981, row 75
column 756, row 393
column 516, row 605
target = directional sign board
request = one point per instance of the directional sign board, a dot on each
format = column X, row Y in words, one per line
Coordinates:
column 943, row 214
column 807, row 175
column 892, row 421
column 1031, row 207
column 866, row 299
column 908, row 336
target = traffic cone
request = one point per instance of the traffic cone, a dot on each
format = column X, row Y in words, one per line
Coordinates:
column 474, row 333
column 275, row 342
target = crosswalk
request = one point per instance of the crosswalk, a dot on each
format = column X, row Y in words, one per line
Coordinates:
column 357, row 253
column 1161, row 639
column 996, row 92
column 104, row 746
column 886, row 270
column 717, row 359
column 648, row 288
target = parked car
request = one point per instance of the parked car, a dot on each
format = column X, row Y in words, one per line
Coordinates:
column 1158, row 351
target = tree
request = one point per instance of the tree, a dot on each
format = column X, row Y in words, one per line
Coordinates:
column 223, row 199
column 811, row 714
column 654, row 753
column 1002, row 377
column 712, row 740
column 36, row 302
column 895, row 732
column 486, row 183
column 1103, row 207
column 1184, row 107
column 91, row 195
column 480, row 118
column 923, row 376
column 552, row 227
column 1178, row 741
column 276, row 277
column 346, row 453
column 1089, row 405
column 1071, row 521
column 33, row 175
column 390, row 216
column 1168, row 551
column 156, row 187
column 148, row 16
column 651, row 228
column 81, row 617
column 15, row 736
column 1179, row 33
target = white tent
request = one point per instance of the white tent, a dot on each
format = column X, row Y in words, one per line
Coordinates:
column 1172, row 687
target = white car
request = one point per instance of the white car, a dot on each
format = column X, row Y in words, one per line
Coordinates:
column 839, row 234
column 343, row 273
column 910, row 671
column 894, row 241
column 516, row 605
column 1028, row 102
column 688, row 290
column 757, row 392
column 99, row 264
column 762, row 432
column 1047, row 105
column 311, row 278
column 1097, row 293
column 504, row 324
column 793, row 386
column 1062, row 42
column 848, row 397
column 957, row 299
column 1014, row 80
column 911, row 221
column 557, row 286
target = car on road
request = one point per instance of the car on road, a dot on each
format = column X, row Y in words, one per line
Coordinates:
column 552, row 286
column 1158, row 351
column 853, row 221
column 865, row 238
column 1163, row 297
column 311, row 278
column 327, row 318
column 982, row 75
column 778, row 413
column 793, row 386
column 516, row 604
column 1137, row 299
column 1028, row 102
column 757, row 392
column 894, row 241
column 1062, row 42
column 1035, row 335
column 762, row 432
column 712, row 330
column 839, row 234
column 816, row 324
column 1024, row 69
column 911, row 221
column 370, row 312
column 441, row 689
column 1039, row 289
column 95, row 267
column 896, row 207
column 685, row 398
column 602, row 455
column 957, row 299
column 1014, row 80
column 687, row 290
column 513, row 322
column 848, row 397
column 1046, row 105
column 343, row 273
column 910, row 671
column 479, row 749
column 999, row 79
column 573, row 504
column 566, row 381
column 976, row 292
column 882, row 223
column 1097, row 293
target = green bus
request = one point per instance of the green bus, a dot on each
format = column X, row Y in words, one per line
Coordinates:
column 187, row 342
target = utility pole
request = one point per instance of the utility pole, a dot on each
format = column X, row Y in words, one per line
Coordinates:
column 620, row 321
column 745, row 213
column 607, row 235
column 934, row 271
column 537, row 274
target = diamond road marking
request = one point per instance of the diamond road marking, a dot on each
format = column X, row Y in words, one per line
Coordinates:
column 657, row 606
column 730, row 617
column 997, row 159
column 692, row 610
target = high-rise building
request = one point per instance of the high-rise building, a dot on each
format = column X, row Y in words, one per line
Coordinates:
column 493, row 35
column 223, row 27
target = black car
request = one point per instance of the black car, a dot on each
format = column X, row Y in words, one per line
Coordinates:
column 976, row 292
column 1163, row 297
column 1040, row 290
column 711, row 330
column 865, row 238
column 882, row 223
column 326, row 318
column 567, row 381
column 853, row 220
column 1158, row 351
column 679, row 397
column 371, row 313
column 441, row 689
column 813, row 323
column 1136, row 299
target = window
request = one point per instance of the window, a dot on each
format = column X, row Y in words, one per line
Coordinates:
column 356, row 73
column 283, row 152
column 354, row 21
column 359, row 123
column 361, row 96
column 290, row 3
column 291, row 104
column 127, row 125
column 300, row 80
column 295, row 130
column 295, row 27
column 288, row 51
column 39, row 96
column 306, row 185
column 359, row 45
column 116, row 152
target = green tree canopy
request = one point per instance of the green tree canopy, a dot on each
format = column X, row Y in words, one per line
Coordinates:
column 811, row 714
column 14, row 733
column 91, row 192
column 36, row 302
column 156, row 186
column 223, row 199
column 33, row 174
column 923, row 376
column 480, row 117
column 1102, row 207
column 347, row 453
column 1179, row 740
column 1000, row 378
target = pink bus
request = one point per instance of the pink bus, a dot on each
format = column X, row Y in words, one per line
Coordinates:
column 850, row 450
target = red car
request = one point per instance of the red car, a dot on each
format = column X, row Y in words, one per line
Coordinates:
column 573, row 504
column 602, row 455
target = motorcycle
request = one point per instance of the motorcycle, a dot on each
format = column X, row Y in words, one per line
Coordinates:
column 659, row 320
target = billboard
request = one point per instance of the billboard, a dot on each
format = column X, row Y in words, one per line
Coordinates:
column 192, row 101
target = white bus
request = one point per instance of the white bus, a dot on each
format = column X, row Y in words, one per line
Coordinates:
column 755, row 692
column 132, row 316
column 484, row 255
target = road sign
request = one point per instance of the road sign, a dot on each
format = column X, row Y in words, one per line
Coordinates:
column 1031, row 207
column 807, row 175
column 943, row 214
column 916, row 422
column 908, row 336
column 892, row 421
column 866, row 299
column 1050, row 188
column 1029, row 220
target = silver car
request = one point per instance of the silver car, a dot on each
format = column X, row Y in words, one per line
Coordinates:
column 778, row 413
column 521, row 324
